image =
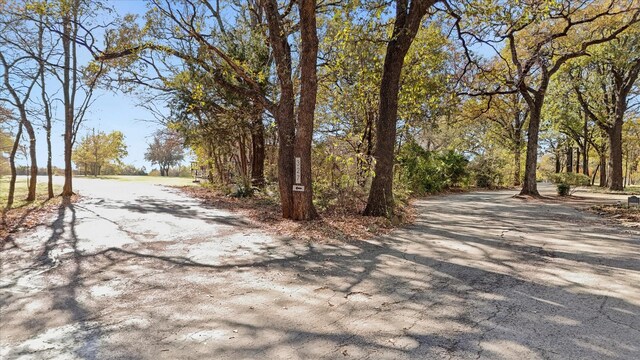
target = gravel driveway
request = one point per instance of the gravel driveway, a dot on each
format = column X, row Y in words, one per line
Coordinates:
column 139, row 271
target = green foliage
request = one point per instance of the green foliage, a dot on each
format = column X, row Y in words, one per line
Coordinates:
column 572, row 179
column 564, row 189
column 99, row 149
column 427, row 172
column 568, row 181
column 486, row 171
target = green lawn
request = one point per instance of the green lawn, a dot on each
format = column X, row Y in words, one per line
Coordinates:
column 21, row 192
column 159, row 180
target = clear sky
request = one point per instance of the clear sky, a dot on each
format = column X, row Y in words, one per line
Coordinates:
column 110, row 111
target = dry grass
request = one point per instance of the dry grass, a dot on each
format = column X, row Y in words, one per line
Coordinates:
column 628, row 216
column 335, row 223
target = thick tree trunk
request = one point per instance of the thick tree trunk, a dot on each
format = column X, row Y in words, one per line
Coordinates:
column 558, row 164
column 295, row 141
column 258, row 152
column 380, row 202
column 577, row 160
column 615, row 156
column 530, row 185
column 407, row 22
column 12, row 166
column 303, row 208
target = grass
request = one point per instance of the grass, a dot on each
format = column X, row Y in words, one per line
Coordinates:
column 630, row 190
column 157, row 180
column 21, row 193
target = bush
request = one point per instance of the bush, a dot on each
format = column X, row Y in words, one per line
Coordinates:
column 572, row 179
column 428, row 172
column 568, row 181
column 487, row 171
column 564, row 189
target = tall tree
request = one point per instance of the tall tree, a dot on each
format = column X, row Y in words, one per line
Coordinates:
column 19, row 79
column 408, row 17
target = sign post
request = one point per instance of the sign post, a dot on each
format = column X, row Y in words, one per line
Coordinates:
column 298, row 179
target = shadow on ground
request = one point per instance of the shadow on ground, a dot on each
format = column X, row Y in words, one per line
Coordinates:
column 477, row 276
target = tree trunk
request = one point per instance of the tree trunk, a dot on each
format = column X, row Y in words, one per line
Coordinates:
column 569, row 159
column 585, row 146
column 67, row 188
column 295, row 141
column 33, row 173
column 303, row 208
column 603, row 170
column 407, row 22
column 558, row 164
column 530, row 186
column 12, row 165
column 577, row 160
column 258, row 152
column 615, row 156
column 593, row 178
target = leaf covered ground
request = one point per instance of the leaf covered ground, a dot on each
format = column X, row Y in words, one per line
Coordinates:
column 334, row 223
column 629, row 216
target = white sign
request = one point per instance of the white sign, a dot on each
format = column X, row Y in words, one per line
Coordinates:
column 298, row 177
column 298, row 188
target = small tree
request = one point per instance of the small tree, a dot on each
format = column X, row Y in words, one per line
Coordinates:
column 97, row 149
column 166, row 150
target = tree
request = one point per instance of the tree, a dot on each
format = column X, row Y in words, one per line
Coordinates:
column 97, row 149
column 20, row 75
column 408, row 17
column 603, row 89
column 294, row 128
column 166, row 150
column 540, row 38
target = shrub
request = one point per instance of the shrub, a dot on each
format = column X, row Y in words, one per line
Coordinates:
column 568, row 181
column 563, row 189
column 487, row 171
column 427, row 172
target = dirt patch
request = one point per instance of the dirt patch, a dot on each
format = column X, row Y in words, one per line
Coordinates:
column 620, row 213
column 333, row 223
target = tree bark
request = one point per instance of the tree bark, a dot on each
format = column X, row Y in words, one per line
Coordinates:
column 258, row 152
column 577, row 160
column 295, row 139
column 615, row 155
column 303, row 200
column 569, row 159
column 67, row 188
column 12, row 166
column 603, row 171
column 530, row 185
column 33, row 171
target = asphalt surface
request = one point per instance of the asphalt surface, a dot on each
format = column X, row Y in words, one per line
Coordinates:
column 140, row 271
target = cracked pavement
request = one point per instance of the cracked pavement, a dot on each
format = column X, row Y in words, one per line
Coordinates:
column 138, row 271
